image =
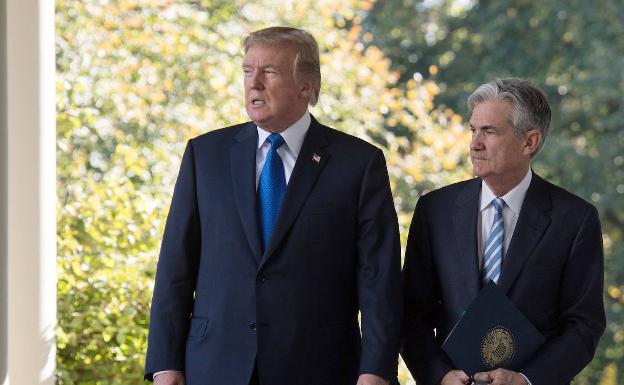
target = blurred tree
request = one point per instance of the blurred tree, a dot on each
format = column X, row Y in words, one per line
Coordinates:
column 138, row 77
column 574, row 51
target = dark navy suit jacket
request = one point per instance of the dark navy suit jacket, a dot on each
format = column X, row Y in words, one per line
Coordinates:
column 553, row 272
column 220, row 302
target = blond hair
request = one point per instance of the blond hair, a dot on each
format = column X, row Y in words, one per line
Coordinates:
column 306, row 65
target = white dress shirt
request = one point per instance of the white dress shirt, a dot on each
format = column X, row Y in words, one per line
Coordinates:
column 289, row 151
column 513, row 203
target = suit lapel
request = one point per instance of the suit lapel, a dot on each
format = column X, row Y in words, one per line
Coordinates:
column 532, row 222
column 243, row 165
column 465, row 214
column 311, row 160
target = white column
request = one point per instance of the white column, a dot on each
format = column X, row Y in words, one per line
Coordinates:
column 29, row 194
column 3, row 199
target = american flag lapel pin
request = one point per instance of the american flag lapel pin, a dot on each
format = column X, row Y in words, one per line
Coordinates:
column 316, row 157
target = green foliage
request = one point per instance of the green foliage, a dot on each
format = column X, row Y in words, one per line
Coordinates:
column 137, row 78
column 574, row 51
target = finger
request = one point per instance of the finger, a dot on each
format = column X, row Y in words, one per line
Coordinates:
column 481, row 376
column 462, row 375
column 499, row 380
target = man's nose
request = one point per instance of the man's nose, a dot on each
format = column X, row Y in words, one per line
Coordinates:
column 255, row 80
column 476, row 142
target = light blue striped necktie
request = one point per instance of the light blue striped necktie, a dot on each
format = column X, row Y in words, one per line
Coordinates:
column 493, row 253
column 271, row 188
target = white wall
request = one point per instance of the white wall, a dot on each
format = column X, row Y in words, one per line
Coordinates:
column 28, row 193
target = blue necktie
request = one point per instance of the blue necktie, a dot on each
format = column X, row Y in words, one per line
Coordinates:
column 493, row 254
column 271, row 188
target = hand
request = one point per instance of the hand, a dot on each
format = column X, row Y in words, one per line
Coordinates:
column 502, row 377
column 371, row 379
column 170, row 377
column 455, row 377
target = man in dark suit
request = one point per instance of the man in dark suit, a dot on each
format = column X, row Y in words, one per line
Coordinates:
column 281, row 230
column 540, row 243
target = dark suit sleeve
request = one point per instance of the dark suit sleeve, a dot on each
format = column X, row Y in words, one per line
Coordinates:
column 421, row 353
column 378, row 275
column 176, row 276
column 581, row 310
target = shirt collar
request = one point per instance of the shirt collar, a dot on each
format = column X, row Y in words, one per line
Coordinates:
column 513, row 199
column 293, row 135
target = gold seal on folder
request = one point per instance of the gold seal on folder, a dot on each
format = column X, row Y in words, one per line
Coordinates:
column 497, row 347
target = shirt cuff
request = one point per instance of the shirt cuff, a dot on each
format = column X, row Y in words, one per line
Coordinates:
column 527, row 379
column 165, row 371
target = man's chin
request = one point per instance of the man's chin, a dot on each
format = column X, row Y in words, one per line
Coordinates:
column 256, row 114
column 478, row 172
column 259, row 120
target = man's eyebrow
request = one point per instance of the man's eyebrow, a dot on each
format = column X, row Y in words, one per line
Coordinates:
column 485, row 127
column 261, row 67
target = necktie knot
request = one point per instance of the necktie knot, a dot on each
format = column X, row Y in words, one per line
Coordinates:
column 276, row 141
column 498, row 203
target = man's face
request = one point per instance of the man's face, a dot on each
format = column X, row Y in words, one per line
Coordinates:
column 498, row 157
column 273, row 99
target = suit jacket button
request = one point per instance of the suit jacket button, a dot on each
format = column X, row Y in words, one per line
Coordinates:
column 252, row 326
column 262, row 279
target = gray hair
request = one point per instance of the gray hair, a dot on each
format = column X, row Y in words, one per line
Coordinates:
column 307, row 62
column 529, row 106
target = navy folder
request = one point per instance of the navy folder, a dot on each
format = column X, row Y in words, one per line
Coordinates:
column 492, row 333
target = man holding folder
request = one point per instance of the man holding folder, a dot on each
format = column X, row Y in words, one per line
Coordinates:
column 541, row 244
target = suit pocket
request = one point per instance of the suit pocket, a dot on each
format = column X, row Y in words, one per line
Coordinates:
column 542, row 264
column 198, row 327
column 337, row 331
column 324, row 208
column 323, row 223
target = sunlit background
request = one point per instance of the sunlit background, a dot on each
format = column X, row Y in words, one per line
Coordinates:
column 136, row 79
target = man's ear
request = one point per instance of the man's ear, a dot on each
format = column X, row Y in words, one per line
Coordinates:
column 306, row 89
column 531, row 142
